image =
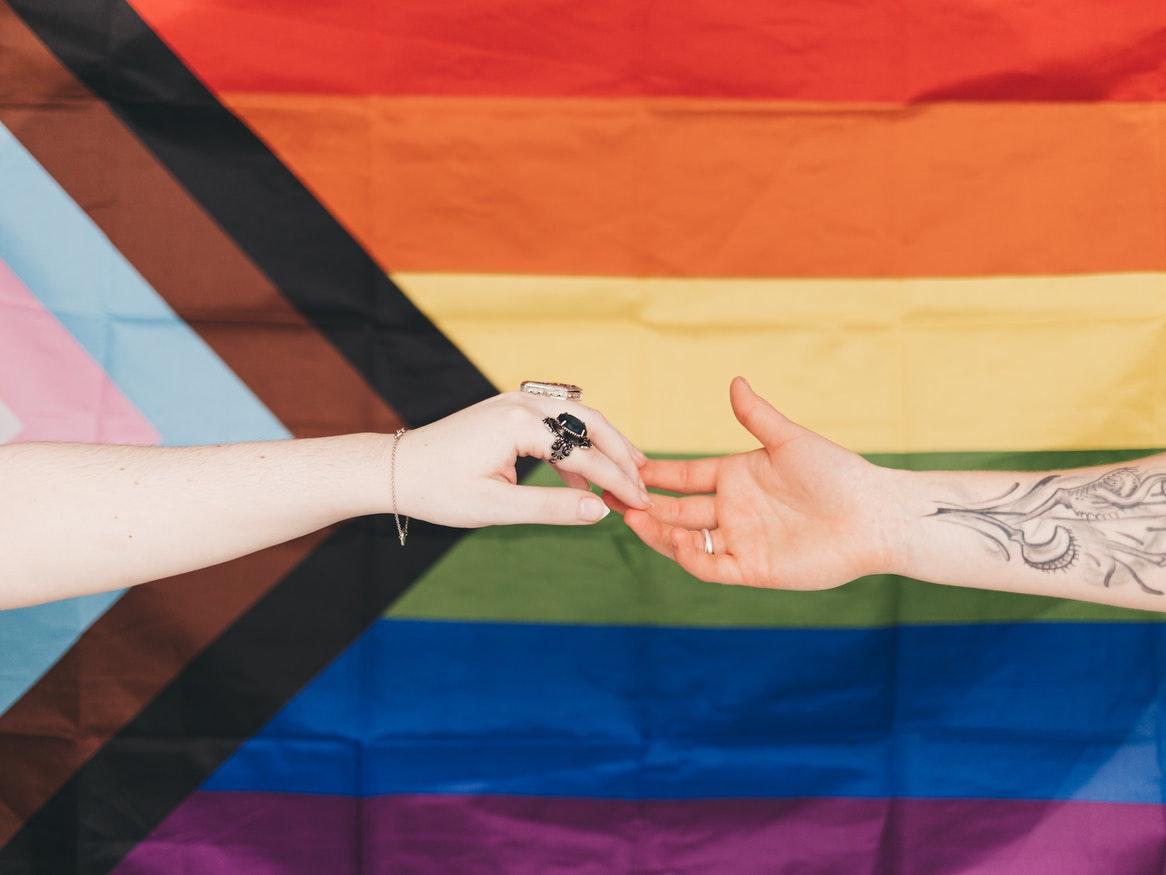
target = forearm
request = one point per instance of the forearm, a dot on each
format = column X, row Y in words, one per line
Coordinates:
column 1095, row 534
column 79, row 519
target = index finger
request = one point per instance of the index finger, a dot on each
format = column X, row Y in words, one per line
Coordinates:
column 682, row 475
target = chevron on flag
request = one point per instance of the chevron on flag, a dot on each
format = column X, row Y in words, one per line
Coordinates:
column 934, row 231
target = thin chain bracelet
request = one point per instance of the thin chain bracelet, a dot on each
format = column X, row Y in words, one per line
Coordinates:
column 402, row 531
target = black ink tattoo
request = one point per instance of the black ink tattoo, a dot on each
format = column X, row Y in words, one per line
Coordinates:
column 1117, row 521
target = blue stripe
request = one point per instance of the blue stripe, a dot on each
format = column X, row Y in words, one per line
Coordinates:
column 158, row 362
column 153, row 356
column 1041, row 711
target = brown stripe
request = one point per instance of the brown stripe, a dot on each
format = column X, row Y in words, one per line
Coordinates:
column 122, row 662
column 135, row 649
column 177, row 247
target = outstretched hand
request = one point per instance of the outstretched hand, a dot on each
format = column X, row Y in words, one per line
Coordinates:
column 460, row 470
column 797, row 513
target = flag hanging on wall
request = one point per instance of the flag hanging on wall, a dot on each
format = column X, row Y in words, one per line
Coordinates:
column 935, row 232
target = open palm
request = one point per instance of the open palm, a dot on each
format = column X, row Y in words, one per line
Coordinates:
column 798, row 513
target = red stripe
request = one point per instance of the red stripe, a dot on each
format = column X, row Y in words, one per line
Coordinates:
column 883, row 50
column 226, row 833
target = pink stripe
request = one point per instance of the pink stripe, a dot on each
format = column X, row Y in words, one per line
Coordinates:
column 51, row 383
column 261, row 833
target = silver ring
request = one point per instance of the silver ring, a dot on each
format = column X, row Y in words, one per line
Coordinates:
column 708, row 541
column 566, row 391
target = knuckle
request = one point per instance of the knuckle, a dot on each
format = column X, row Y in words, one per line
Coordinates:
column 593, row 417
column 518, row 415
column 508, row 399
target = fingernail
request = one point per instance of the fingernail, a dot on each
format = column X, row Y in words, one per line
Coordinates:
column 592, row 509
column 640, row 457
column 645, row 498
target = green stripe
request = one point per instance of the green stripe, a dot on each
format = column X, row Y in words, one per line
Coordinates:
column 603, row 574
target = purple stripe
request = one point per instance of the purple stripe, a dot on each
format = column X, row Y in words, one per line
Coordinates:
column 268, row 833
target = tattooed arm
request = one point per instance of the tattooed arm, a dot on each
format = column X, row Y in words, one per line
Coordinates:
column 1097, row 534
column 804, row 513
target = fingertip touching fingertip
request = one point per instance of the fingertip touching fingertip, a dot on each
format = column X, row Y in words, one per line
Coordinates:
column 636, row 519
column 614, row 503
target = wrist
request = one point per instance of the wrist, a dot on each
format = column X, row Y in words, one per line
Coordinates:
column 371, row 489
column 896, row 510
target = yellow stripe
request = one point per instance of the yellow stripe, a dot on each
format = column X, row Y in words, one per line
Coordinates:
column 917, row 365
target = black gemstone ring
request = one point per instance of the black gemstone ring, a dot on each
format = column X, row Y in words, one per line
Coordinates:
column 570, row 432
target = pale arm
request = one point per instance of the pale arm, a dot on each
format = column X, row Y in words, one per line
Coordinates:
column 78, row 519
column 81, row 518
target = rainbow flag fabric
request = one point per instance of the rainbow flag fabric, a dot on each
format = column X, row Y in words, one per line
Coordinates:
column 934, row 230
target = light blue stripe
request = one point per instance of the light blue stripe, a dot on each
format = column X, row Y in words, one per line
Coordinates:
column 152, row 355
column 156, row 360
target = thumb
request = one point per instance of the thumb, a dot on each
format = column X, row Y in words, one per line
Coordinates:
column 552, row 505
column 760, row 417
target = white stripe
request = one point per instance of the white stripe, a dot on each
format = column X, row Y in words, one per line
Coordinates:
column 10, row 426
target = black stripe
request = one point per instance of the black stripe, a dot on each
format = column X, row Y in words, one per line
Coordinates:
column 221, row 699
column 225, row 695
column 292, row 238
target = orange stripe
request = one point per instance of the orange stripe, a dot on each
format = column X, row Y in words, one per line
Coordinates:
column 731, row 188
